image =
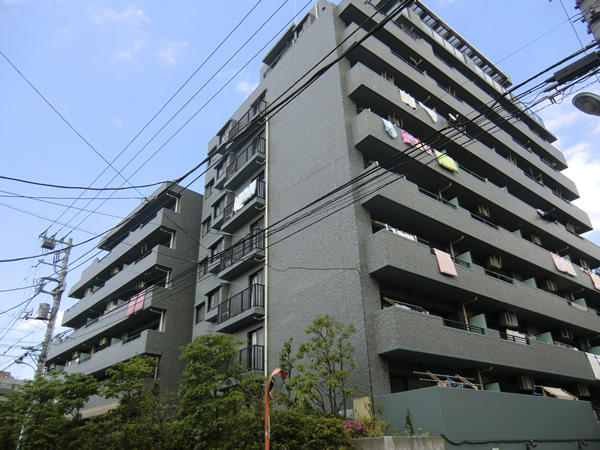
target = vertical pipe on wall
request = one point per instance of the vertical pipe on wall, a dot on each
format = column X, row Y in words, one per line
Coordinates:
column 266, row 227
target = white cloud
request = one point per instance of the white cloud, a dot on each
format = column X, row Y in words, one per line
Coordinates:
column 123, row 55
column 245, row 87
column 562, row 118
column 172, row 52
column 583, row 169
column 118, row 122
column 132, row 17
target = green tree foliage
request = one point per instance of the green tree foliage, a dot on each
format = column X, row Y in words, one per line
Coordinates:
column 297, row 429
column 323, row 379
column 45, row 411
column 220, row 406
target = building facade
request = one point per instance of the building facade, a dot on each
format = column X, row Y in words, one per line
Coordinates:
column 400, row 192
column 138, row 297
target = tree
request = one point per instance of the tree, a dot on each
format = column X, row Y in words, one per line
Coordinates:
column 324, row 379
column 44, row 413
column 220, row 406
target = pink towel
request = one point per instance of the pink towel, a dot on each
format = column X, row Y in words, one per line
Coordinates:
column 595, row 279
column 445, row 263
column 559, row 263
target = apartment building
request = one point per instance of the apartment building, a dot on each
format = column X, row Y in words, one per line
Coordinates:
column 136, row 299
column 398, row 191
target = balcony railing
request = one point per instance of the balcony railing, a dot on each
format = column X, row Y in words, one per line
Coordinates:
column 252, row 357
column 232, row 208
column 514, row 338
column 437, row 197
column 253, row 241
column 463, row 326
column 258, row 107
column 249, row 298
column 256, row 146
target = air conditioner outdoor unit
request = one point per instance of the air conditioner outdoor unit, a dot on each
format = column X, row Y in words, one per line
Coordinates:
column 549, row 285
column 52, row 366
column 509, row 319
column 75, row 354
column 536, row 239
column 570, row 227
column 111, row 305
column 584, row 264
column 525, row 383
column 566, row 333
column 140, row 285
column 483, row 211
column 104, row 341
column 580, row 390
column 115, row 270
column 88, row 291
column 493, row 262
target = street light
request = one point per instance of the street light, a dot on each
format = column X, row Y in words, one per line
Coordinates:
column 588, row 103
column 19, row 360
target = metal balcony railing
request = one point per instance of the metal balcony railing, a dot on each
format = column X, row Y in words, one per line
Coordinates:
column 243, row 301
column 255, row 240
column 230, row 210
column 255, row 109
column 252, row 357
column 257, row 145
column 463, row 326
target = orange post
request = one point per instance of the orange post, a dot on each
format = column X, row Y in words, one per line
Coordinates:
column 267, row 418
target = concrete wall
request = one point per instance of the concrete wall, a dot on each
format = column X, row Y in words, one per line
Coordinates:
column 485, row 420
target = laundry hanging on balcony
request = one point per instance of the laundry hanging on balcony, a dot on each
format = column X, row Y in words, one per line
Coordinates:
column 563, row 265
column 408, row 99
column 404, row 234
column 429, row 111
column 136, row 303
column 390, row 129
column 242, row 198
column 408, row 138
column 547, row 215
column 595, row 279
column 594, row 363
column 446, row 162
column 445, row 263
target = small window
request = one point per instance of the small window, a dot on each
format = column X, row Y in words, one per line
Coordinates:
column 217, row 209
column 205, row 226
column 199, row 313
column 219, row 170
column 214, row 251
column 209, row 189
column 212, row 299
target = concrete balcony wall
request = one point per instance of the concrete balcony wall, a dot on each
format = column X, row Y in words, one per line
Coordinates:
column 160, row 255
column 393, row 258
column 371, row 139
column 111, row 321
column 400, row 331
column 361, row 78
column 164, row 218
column 150, row 342
column 498, row 419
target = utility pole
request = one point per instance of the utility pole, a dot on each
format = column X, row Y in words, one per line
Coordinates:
column 49, row 244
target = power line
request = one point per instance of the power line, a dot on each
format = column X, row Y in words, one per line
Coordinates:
column 58, row 186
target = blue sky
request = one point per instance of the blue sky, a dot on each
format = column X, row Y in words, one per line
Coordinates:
column 107, row 67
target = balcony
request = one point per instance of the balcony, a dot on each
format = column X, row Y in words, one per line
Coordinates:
column 247, row 205
column 241, row 309
column 246, row 163
column 242, row 256
column 258, row 107
column 149, row 342
column 121, row 284
column 112, row 323
column 150, row 233
column 371, row 139
column 252, row 358
column 398, row 261
column 413, row 336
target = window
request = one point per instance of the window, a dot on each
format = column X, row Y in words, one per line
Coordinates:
column 217, row 209
column 199, row 313
column 202, row 268
column 205, row 226
column 212, row 299
column 209, row 189
column 219, row 170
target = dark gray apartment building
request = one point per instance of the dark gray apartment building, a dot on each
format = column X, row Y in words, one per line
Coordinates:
column 400, row 192
column 138, row 298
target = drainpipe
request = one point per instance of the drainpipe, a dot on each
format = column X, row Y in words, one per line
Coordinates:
column 266, row 369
